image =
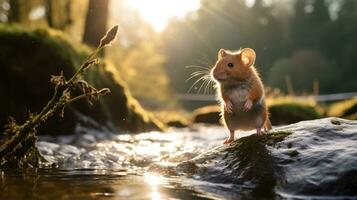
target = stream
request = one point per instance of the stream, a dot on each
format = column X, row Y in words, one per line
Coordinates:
column 314, row 159
column 97, row 164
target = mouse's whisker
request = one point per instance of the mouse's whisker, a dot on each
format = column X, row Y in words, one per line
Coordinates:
column 206, row 90
column 195, row 83
column 209, row 86
column 207, row 62
column 200, row 72
column 203, row 83
column 207, row 80
column 195, row 74
column 213, row 86
column 197, row 66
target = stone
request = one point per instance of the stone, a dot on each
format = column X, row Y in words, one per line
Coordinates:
column 306, row 160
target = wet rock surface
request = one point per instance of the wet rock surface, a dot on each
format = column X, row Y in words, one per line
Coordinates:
column 309, row 159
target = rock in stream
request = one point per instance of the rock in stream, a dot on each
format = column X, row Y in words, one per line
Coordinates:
column 310, row 159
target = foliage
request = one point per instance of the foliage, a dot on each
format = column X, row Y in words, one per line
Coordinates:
column 140, row 60
column 303, row 68
column 220, row 24
column 143, row 71
column 305, row 40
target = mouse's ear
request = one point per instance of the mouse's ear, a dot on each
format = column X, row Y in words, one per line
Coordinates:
column 247, row 57
column 222, row 53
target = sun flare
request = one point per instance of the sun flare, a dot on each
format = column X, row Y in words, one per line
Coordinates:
column 159, row 12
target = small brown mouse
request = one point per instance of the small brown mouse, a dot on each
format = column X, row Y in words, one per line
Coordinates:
column 240, row 92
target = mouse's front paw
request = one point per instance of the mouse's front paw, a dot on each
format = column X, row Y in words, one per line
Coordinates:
column 248, row 105
column 228, row 107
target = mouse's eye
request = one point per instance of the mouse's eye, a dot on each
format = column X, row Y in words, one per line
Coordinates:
column 230, row 65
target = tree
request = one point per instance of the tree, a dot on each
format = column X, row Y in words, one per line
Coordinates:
column 96, row 21
column 58, row 13
column 229, row 24
column 309, row 23
column 304, row 67
column 19, row 11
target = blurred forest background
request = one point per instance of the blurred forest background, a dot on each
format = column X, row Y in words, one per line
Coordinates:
column 303, row 46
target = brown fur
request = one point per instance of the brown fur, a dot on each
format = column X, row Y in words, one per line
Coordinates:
column 240, row 83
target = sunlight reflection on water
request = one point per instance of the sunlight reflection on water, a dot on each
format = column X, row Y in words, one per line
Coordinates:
column 98, row 150
column 96, row 165
column 154, row 180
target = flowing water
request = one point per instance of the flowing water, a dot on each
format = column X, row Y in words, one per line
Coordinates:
column 308, row 160
column 103, row 165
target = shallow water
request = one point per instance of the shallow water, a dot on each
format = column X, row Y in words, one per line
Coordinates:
column 105, row 165
column 316, row 160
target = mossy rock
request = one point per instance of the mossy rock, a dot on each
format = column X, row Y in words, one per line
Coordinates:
column 346, row 109
column 28, row 58
column 207, row 115
column 174, row 118
column 177, row 124
column 281, row 112
column 313, row 159
column 291, row 112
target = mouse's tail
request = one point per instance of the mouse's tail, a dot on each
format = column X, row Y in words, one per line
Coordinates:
column 267, row 125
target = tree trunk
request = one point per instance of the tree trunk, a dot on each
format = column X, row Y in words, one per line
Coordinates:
column 96, row 22
column 58, row 13
column 19, row 11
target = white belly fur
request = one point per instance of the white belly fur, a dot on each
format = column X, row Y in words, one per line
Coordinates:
column 238, row 96
column 240, row 119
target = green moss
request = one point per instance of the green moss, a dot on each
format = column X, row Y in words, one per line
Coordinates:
column 129, row 117
column 291, row 112
column 274, row 137
column 207, row 114
column 28, row 58
column 346, row 109
column 174, row 118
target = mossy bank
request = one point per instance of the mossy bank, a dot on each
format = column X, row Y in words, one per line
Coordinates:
column 28, row 58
